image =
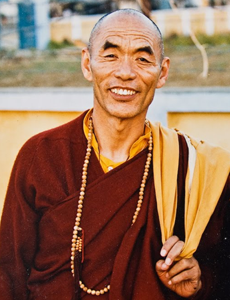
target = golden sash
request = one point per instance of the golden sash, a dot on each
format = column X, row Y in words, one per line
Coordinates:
column 212, row 167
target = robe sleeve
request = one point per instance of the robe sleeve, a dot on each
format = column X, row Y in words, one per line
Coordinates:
column 18, row 231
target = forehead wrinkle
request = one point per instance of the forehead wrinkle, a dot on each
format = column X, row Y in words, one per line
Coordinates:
column 117, row 39
column 134, row 32
column 112, row 35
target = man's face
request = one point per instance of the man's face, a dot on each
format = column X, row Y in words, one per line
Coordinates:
column 125, row 66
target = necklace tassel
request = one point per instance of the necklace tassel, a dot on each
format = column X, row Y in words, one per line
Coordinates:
column 77, row 260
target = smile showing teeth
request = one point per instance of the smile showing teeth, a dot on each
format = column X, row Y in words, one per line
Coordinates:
column 123, row 92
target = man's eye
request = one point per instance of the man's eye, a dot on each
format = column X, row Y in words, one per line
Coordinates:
column 142, row 59
column 110, row 56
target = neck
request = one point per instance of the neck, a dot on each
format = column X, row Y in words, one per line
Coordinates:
column 115, row 137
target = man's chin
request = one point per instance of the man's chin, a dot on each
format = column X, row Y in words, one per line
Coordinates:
column 125, row 114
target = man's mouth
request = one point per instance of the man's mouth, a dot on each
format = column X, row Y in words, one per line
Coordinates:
column 123, row 92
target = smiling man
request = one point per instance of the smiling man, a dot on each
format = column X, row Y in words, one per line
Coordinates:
column 106, row 206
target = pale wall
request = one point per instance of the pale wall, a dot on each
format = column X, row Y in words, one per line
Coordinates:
column 16, row 128
column 211, row 127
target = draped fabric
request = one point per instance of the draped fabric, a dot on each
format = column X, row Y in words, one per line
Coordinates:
column 212, row 167
column 39, row 213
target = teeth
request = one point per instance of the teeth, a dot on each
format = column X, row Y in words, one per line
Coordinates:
column 123, row 92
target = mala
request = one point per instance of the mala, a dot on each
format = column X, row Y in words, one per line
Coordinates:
column 77, row 248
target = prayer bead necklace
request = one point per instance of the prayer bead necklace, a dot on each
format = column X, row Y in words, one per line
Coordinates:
column 77, row 239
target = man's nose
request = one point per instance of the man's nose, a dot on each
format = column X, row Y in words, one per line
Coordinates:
column 125, row 70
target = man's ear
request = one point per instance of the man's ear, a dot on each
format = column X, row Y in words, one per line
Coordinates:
column 164, row 72
column 85, row 64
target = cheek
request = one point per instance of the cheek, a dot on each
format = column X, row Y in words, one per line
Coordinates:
column 97, row 77
column 100, row 72
column 150, row 80
column 148, row 74
column 103, row 65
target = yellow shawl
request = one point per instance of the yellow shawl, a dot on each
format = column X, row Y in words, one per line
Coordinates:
column 212, row 167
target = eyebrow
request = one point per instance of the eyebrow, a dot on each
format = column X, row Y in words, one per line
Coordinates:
column 146, row 49
column 108, row 45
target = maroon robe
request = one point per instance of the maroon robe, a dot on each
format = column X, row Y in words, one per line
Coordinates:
column 39, row 214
